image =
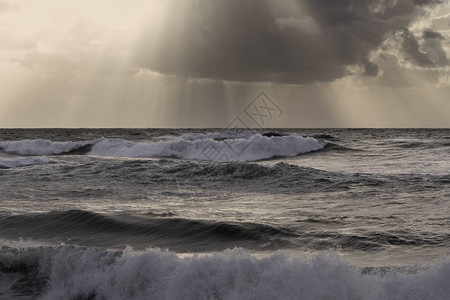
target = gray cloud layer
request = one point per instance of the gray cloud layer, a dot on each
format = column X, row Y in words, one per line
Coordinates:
column 260, row 40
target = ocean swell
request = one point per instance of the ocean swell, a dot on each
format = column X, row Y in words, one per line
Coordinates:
column 142, row 231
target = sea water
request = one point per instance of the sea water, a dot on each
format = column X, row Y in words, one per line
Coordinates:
column 214, row 214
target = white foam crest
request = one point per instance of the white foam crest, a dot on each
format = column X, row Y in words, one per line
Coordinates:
column 232, row 146
column 77, row 273
column 40, row 147
column 23, row 162
column 254, row 148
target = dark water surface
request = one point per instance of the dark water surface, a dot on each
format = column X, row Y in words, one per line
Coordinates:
column 365, row 210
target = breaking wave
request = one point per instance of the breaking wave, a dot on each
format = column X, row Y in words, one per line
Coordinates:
column 242, row 146
column 41, row 147
column 68, row 272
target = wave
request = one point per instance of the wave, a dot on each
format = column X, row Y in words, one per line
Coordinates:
column 373, row 241
column 67, row 272
column 92, row 229
column 338, row 148
column 224, row 135
column 42, row 147
column 239, row 146
column 246, row 171
column 321, row 136
column 7, row 163
column 235, row 175
column 418, row 144
column 256, row 148
column 187, row 235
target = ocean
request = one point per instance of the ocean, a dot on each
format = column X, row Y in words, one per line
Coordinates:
column 216, row 214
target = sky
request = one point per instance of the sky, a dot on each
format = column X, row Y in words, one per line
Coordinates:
column 209, row 63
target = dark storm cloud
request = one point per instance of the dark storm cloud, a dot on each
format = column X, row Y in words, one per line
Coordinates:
column 430, row 34
column 427, row 2
column 411, row 50
column 428, row 54
column 266, row 40
column 370, row 68
column 432, row 46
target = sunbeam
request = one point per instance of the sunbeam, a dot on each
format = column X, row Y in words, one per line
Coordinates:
column 199, row 63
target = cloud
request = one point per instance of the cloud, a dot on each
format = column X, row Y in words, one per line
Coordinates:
column 430, row 34
column 6, row 6
column 9, row 41
column 398, row 75
column 370, row 68
column 292, row 41
column 427, row 2
column 304, row 24
column 411, row 50
column 428, row 53
column 433, row 47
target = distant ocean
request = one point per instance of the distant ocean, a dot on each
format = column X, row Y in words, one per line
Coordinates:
column 213, row 214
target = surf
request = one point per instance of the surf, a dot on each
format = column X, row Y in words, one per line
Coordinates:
column 222, row 147
column 68, row 272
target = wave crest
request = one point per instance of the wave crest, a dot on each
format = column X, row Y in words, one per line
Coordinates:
column 67, row 272
column 211, row 147
column 41, row 147
column 253, row 148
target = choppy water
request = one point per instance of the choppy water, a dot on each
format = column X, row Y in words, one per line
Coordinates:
column 357, row 214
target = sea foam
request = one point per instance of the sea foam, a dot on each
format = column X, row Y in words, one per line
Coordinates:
column 69, row 272
column 254, row 148
column 40, row 147
column 212, row 147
